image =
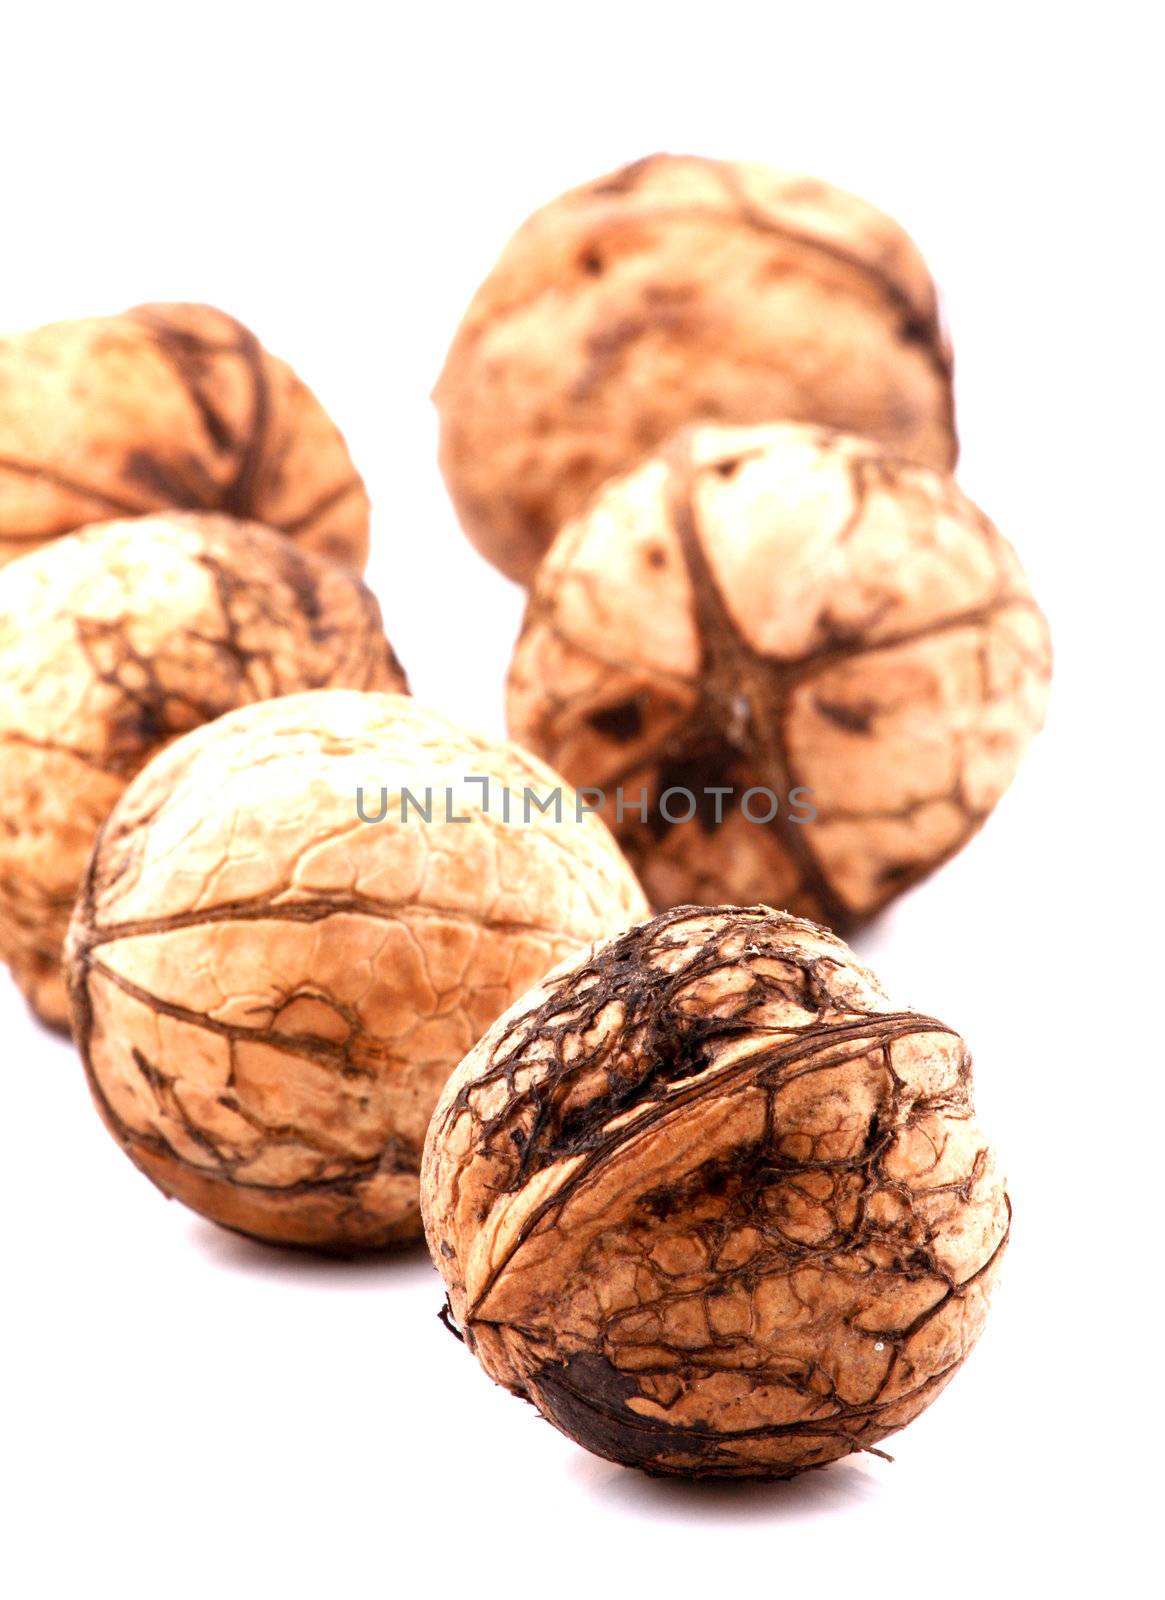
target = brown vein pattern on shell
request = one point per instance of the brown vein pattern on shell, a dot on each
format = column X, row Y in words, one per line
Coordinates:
column 189, row 354
column 611, row 1055
column 185, row 481
column 350, row 1064
column 360, row 658
column 253, row 1050
column 742, row 695
column 353, row 1059
column 675, row 291
column 920, row 323
column 275, row 620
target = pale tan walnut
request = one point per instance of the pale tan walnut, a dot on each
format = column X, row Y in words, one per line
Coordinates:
column 674, row 291
column 167, row 407
column 712, row 1202
column 269, row 992
column 786, row 609
column 114, row 641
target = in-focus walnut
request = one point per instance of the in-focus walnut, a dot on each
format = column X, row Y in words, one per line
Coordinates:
column 675, row 291
column 114, row 641
column 269, row 992
column 713, row 1203
column 167, row 407
column 789, row 609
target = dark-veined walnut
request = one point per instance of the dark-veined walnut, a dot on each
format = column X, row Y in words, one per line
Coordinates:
column 712, row 1202
column 674, row 291
column 788, row 610
column 114, row 641
column 277, row 957
column 167, row 407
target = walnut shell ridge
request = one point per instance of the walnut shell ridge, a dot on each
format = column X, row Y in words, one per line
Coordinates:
column 268, row 992
column 788, row 608
column 714, row 1204
column 167, row 407
column 680, row 290
column 116, row 640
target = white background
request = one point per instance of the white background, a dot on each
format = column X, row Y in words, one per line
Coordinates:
column 185, row 1413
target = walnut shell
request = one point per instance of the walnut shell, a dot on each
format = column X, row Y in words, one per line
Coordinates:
column 114, row 641
column 712, row 1202
column 674, row 291
column 791, row 609
column 167, row 407
column 268, row 993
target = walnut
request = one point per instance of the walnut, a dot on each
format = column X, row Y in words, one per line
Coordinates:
column 167, row 407
column 674, row 291
column 712, row 1202
column 786, row 610
column 115, row 640
column 268, row 992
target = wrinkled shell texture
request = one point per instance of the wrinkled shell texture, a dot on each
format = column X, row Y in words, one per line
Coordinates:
column 167, row 407
column 783, row 607
column 674, row 291
column 269, row 993
column 116, row 640
column 712, row 1203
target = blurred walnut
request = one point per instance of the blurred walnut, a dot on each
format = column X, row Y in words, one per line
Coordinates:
column 789, row 609
column 115, row 640
column 712, row 1203
column 680, row 290
column 167, row 407
column 269, row 992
